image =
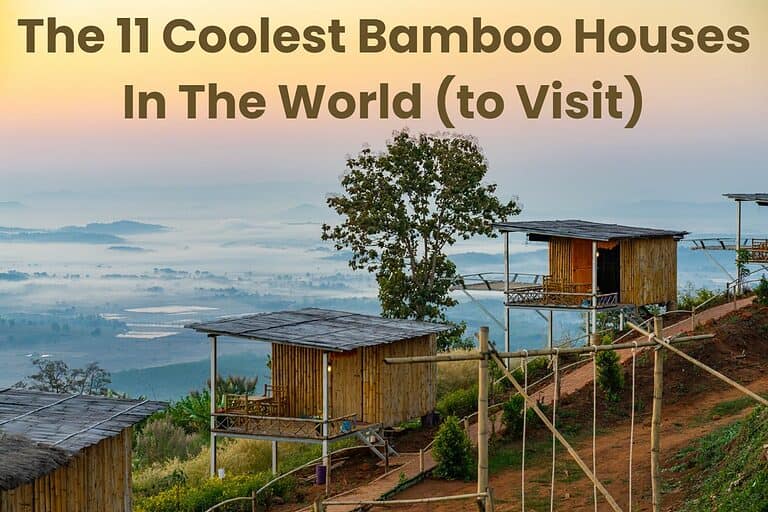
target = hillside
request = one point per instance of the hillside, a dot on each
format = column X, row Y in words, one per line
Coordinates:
column 700, row 416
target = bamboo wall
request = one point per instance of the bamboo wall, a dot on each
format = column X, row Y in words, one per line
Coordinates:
column 648, row 267
column 560, row 259
column 96, row 480
column 298, row 371
column 396, row 393
column 649, row 271
column 360, row 382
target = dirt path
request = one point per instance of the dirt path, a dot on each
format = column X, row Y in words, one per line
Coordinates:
column 575, row 380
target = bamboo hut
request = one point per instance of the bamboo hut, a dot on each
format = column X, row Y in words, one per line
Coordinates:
column 66, row 452
column 593, row 266
column 329, row 378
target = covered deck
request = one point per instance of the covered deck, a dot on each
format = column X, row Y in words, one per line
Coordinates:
column 590, row 265
column 267, row 417
column 538, row 291
column 329, row 380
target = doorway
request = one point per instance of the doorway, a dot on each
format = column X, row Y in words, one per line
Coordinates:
column 609, row 270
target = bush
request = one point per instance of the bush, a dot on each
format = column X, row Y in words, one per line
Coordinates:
column 181, row 498
column 452, row 451
column 692, row 297
column 192, row 413
column 761, row 292
column 537, row 368
column 610, row 374
column 160, row 440
column 459, row 402
column 512, row 416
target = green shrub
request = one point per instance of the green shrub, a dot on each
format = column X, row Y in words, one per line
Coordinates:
column 512, row 416
column 160, row 440
column 537, row 368
column 459, row 402
column 610, row 374
column 192, row 413
column 691, row 297
column 182, row 498
column 761, row 292
column 452, row 451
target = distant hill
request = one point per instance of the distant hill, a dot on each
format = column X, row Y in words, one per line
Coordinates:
column 56, row 236
column 93, row 233
column 120, row 227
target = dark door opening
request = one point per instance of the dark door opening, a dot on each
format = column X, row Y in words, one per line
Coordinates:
column 608, row 270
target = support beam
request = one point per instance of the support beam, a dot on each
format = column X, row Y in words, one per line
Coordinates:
column 482, row 413
column 326, row 417
column 550, row 330
column 473, row 356
column 214, row 378
column 593, row 313
column 658, row 388
column 275, row 468
column 738, row 247
column 506, row 295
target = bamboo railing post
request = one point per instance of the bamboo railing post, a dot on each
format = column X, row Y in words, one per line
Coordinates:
column 658, row 387
column 386, row 456
column 489, row 505
column 482, row 414
column 421, row 460
column 253, row 501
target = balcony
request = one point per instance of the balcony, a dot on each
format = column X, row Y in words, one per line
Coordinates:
column 262, row 417
column 561, row 294
column 537, row 290
column 758, row 251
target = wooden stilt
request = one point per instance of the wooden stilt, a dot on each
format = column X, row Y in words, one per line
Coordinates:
column 658, row 387
column 482, row 414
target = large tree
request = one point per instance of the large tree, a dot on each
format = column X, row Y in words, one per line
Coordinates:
column 403, row 207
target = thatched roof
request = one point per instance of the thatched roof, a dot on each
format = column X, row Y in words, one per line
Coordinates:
column 22, row 461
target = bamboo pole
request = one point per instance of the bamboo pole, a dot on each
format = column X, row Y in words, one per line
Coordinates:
column 658, row 387
column 212, row 395
column 533, row 405
column 666, row 344
column 482, row 413
column 545, row 352
column 396, row 503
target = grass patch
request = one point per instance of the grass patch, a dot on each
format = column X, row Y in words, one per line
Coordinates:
column 727, row 408
column 728, row 468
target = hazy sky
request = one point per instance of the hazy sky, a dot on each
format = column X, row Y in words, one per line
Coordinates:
column 702, row 131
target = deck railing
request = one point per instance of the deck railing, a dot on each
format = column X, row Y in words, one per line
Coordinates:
column 758, row 252
column 275, row 426
column 562, row 293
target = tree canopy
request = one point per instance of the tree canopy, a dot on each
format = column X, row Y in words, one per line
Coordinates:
column 57, row 377
column 402, row 208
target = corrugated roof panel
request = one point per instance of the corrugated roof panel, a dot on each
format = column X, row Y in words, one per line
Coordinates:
column 320, row 328
column 585, row 230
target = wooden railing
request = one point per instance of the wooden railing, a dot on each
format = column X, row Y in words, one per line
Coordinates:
column 275, row 426
column 758, row 252
column 562, row 293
